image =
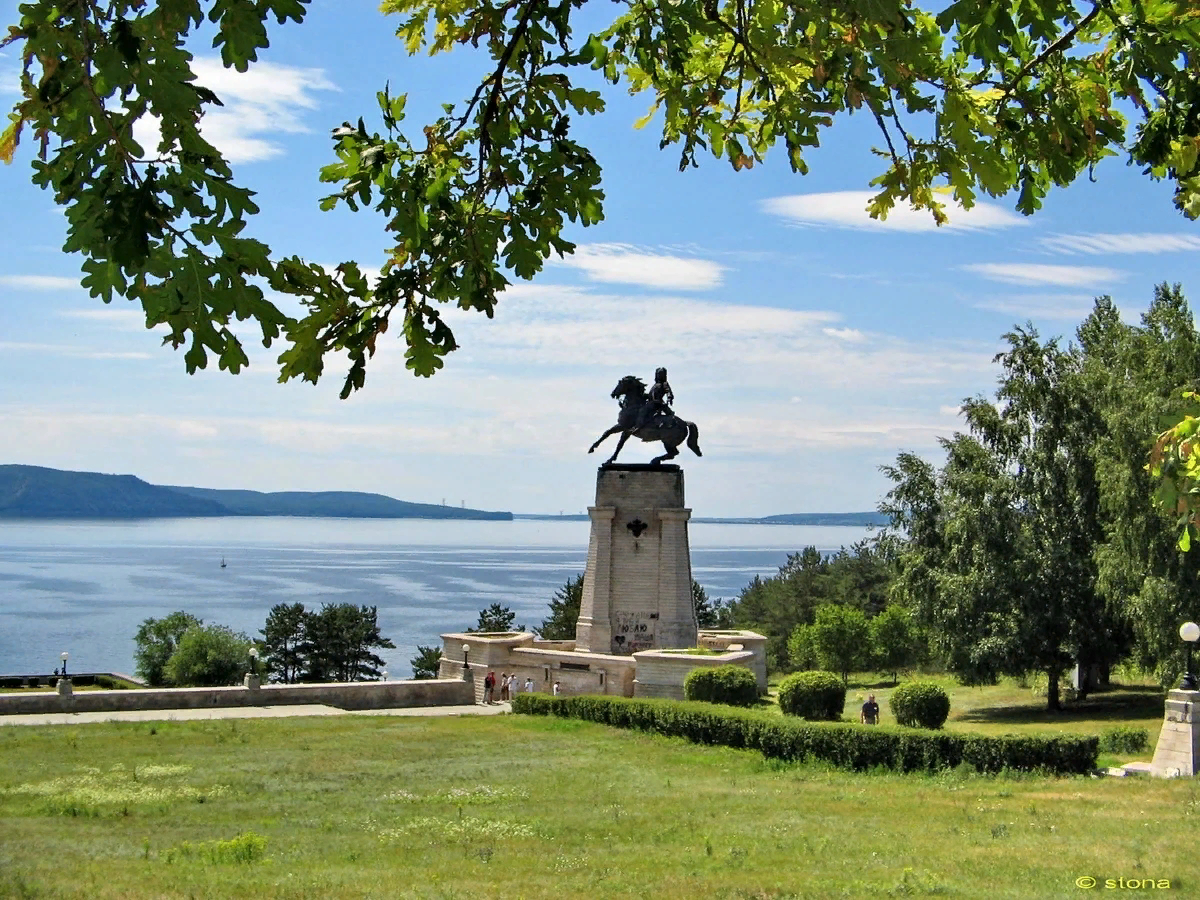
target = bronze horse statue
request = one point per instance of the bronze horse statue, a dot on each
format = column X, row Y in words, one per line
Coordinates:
column 668, row 428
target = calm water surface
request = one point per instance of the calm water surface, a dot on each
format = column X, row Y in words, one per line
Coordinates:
column 85, row 587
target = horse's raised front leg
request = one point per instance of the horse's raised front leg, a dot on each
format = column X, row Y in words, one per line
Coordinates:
column 604, row 437
column 672, row 452
column 620, row 444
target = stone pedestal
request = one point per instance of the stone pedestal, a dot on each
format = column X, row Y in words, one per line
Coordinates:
column 253, row 682
column 637, row 590
column 64, row 687
column 1178, row 750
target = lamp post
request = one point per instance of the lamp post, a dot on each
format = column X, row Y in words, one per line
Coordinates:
column 63, row 656
column 64, row 683
column 1190, row 632
column 466, row 653
column 252, row 680
column 385, row 675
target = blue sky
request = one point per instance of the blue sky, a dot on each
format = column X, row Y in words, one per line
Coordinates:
column 809, row 344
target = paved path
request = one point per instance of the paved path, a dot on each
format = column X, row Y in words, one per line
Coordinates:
column 246, row 712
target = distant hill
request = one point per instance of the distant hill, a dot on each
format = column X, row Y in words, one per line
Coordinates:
column 34, row 492
column 345, row 504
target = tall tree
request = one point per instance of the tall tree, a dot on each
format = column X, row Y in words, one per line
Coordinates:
column 1000, row 559
column 283, row 640
column 709, row 613
column 426, row 663
column 564, row 612
column 156, row 641
column 840, row 638
column 995, row 97
column 896, row 642
column 209, row 656
column 1137, row 373
column 496, row 618
column 338, row 643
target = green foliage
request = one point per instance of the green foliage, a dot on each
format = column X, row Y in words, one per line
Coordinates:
column 842, row 745
column 1124, row 739
column 496, row 618
column 157, row 640
column 427, row 662
column 841, row 638
column 920, row 704
column 338, row 642
column 283, row 638
column 999, row 559
column 564, row 612
column 802, row 648
column 209, row 656
column 731, row 685
column 247, row 847
column 896, row 642
column 969, row 99
column 709, row 613
column 777, row 606
column 813, row 695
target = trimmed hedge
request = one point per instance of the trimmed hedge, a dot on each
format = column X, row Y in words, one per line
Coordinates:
column 813, row 695
column 734, row 685
column 1124, row 739
column 841, row 744
column 920, row 704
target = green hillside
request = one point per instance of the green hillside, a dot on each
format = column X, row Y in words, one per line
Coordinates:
column 34, row 492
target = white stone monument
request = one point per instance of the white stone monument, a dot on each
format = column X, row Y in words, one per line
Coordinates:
column 1178, row 750
column 637, row 589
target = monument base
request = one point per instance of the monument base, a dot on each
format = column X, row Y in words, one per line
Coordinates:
column 1178, row 750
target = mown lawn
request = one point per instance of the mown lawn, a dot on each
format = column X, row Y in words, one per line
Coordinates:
column 514, row 806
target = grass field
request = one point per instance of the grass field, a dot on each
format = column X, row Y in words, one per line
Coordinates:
column 515, row 806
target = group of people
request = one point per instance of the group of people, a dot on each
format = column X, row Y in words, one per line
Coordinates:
column 506, row 687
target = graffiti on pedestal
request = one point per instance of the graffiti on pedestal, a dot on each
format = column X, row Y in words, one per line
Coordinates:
column 633, row 631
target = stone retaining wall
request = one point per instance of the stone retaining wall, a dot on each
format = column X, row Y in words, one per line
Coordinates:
column 357, row 695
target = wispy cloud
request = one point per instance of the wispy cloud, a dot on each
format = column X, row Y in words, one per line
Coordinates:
column 265, row 100
column 625, row 264
column 67, row 350
column 851, row 335
column 1040, row 306
column 125, row 319
column 1034, row 273
column 40, row 282
column 848, row 209
column 1095, row 244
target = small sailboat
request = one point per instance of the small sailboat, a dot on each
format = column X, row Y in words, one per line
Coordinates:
column 222, row 562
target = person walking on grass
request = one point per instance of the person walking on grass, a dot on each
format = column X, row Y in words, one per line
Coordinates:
column 870, row 711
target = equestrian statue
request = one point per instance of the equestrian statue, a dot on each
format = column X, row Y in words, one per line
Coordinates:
column 649, row 417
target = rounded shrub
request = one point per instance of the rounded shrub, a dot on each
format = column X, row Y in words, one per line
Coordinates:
column 813, row 695
column 734, row 685
column 920, row 704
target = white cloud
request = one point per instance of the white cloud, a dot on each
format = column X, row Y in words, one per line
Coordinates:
column 623, row 264
column 1095, row 244
column 1040, row 306
column 40, row 282
column 67, row 350
column 950, row 410
column 1034, row 273
column 262, row 101
column 125, row 319
column 852, row 335
column 848, row 209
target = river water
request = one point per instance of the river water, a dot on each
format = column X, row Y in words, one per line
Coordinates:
column 84, row 587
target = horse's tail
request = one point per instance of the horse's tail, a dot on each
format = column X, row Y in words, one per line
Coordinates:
column 693, row 440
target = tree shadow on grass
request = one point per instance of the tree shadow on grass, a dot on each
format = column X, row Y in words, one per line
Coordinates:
column 1118, row 703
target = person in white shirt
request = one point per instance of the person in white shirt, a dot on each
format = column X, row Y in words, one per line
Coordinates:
column 556, row 689
column 529, row 685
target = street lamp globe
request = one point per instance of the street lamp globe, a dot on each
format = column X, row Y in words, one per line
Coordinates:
column 63, row 656
column 1190, row 632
